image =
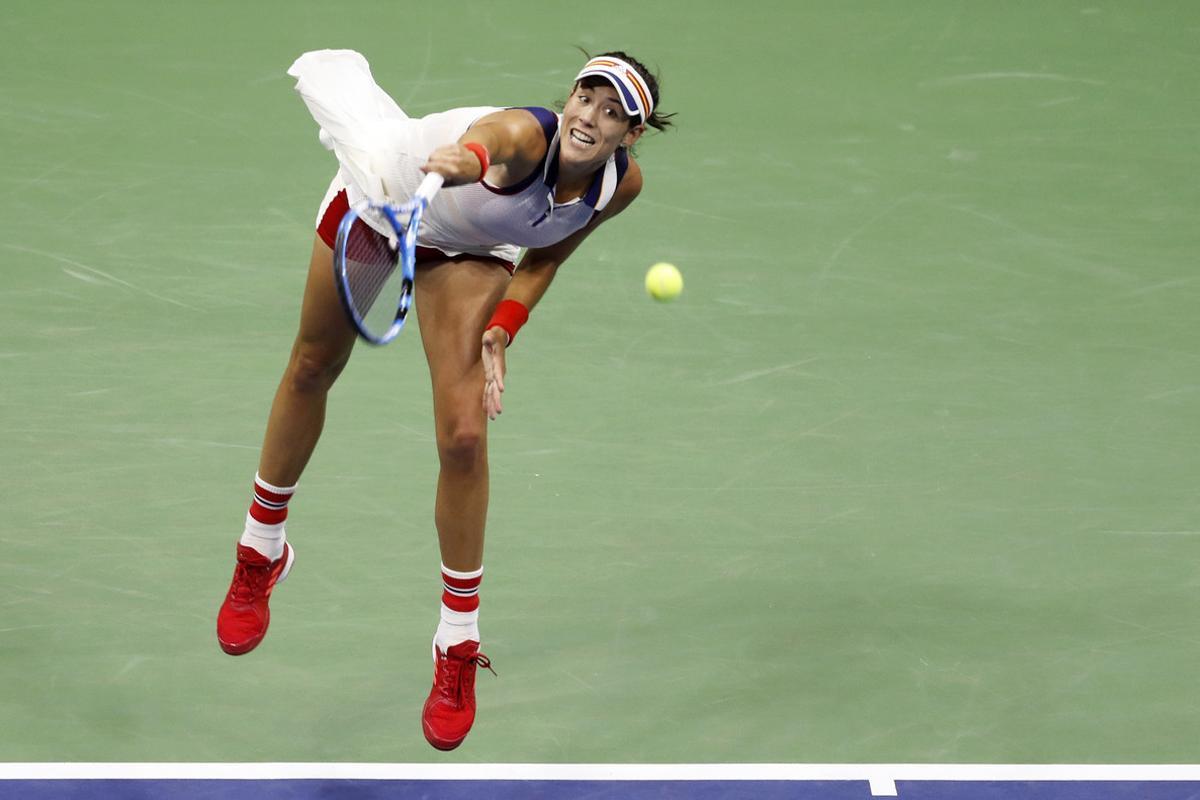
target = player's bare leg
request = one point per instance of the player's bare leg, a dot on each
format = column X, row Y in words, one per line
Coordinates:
column 264, row 558
column 454, row 301
column 320, row 352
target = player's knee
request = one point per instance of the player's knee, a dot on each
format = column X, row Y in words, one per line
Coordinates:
column 461, row 448
column 313, row 370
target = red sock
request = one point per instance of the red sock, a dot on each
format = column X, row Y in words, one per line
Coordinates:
column 265, row 520
column 460, row 608
column 460, row 590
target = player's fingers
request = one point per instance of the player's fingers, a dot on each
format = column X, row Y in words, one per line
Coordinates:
column 493, row 362
column 498, row 367
column 491, row 402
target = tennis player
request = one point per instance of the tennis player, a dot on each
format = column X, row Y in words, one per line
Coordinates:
column 523, row 178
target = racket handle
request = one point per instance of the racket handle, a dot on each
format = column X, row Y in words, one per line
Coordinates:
column 429, row 187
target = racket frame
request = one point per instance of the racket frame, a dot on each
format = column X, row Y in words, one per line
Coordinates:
column 404, row 239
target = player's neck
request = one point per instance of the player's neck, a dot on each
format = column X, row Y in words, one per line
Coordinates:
column 574, row 180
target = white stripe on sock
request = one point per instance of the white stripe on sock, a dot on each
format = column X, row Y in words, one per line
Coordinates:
column 462, row 576
column 272, row 488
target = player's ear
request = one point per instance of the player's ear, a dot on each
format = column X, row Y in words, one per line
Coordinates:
column 633, row 135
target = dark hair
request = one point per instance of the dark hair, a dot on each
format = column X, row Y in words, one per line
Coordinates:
column 658, row 120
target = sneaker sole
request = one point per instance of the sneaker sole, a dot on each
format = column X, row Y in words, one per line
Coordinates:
column 440, row 745
column 291, row 559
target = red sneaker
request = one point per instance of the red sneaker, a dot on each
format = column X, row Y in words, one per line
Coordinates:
column 450, row 710
column 244, row 616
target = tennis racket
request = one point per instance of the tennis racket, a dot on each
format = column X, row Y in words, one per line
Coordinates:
column 375, row 273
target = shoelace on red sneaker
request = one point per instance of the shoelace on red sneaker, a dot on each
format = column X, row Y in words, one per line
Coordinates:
column 248, row 582
column 453, row 680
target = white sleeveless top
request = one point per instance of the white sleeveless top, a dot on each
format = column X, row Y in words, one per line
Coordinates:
column 485, row 220
column 381, row 149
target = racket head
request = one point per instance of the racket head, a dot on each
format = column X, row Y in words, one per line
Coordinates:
column 375, row 273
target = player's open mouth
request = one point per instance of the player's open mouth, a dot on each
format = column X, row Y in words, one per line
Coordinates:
column 582, row 138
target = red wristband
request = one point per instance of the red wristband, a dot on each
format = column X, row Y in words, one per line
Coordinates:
column 510, row 315
column 482, row 154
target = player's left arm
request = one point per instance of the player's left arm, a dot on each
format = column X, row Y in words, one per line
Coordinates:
column 540, row 264
column 533, row 277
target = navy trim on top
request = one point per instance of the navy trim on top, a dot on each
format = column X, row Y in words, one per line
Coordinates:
column 592, row 195
column 549, row 122
column 622, row 159
column 545, row 116
column 552, row 167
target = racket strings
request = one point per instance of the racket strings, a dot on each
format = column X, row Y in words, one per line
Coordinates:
column 375, row 272
column 371, row 264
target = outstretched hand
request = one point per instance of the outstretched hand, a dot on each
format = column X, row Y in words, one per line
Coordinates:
column 495, row 342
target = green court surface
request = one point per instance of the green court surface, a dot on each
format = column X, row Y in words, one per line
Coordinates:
column 908, row 473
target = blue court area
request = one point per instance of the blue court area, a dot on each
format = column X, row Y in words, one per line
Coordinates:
column 589, row 790
column 595, row 782
column 432, row 790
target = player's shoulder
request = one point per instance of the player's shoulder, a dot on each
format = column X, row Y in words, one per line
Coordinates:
column 629, row 187
column 521, row 122
column 631, row 181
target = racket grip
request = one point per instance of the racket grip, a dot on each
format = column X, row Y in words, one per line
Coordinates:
column 429, row 187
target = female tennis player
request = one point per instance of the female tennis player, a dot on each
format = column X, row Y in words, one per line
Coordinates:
column 516, row 178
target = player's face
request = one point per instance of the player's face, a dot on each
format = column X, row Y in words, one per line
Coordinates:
column 594, row 125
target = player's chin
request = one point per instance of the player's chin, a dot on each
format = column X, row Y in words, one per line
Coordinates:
column 576, row 151
column 589, row 156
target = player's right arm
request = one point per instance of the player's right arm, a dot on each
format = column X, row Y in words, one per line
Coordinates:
column 514, row 142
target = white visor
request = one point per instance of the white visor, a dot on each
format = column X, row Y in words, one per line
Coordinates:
column 630, row 85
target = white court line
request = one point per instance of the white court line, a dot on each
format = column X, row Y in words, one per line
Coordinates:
column 881, row 787
column 881, row 776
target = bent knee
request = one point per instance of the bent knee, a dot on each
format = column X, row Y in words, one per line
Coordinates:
column 462, row 447
column 314, row 369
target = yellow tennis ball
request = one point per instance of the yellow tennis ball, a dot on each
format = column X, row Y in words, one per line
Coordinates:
column 663, row 282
